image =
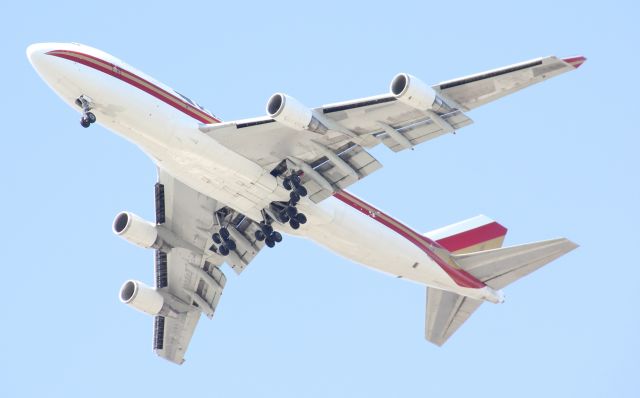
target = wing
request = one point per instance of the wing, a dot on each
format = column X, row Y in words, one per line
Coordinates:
column 187, row 269
column 338, row 157
column 470, row 92
column 329, row 143
column 446, row 312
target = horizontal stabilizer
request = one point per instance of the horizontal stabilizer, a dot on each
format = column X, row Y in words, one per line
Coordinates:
column 500, row 267
column 446, row 312
column 497, row 268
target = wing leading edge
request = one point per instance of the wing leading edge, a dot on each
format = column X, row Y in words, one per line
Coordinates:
column 475, row 90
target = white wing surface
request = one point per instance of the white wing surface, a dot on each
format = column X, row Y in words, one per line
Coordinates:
column 188, row 273
column 470, row 92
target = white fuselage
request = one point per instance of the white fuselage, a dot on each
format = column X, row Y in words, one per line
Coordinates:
column 164, row 124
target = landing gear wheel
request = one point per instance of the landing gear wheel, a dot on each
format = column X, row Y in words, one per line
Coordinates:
column 223, row 250
column 301, row 218
column 84, row 122
column 260, row 235
column 294, row 198
column 284, row 217
column 216, row 238
column 230, row 244
column 294, row 223
column 91, row 117
column 276, row 236
column 269, row 242
column 266, row 229
column 287, row 184
column 295, row 179
column 224, row 233
column 300, row 190
column 291, row 211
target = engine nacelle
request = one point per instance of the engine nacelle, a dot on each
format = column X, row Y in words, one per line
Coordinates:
column 135, row 229
column 141, row 297
column 417, row 94
column 288, row 111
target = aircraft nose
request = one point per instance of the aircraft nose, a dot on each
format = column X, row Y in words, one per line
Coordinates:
column 37, row 53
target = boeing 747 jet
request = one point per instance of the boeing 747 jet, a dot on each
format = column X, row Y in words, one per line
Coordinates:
column 225, row 190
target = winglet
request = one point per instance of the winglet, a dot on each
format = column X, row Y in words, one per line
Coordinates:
column 575, row 61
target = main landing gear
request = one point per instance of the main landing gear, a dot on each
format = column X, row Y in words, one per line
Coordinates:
column 88, row 118
column 267, row 234
column 290, row 212
column 225, row 243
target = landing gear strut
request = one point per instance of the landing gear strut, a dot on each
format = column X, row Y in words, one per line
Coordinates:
column 88, row 118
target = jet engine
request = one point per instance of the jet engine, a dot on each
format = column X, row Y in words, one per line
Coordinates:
column 135, row 230
column 141, row 297
column 417, row 94
column 288, row 111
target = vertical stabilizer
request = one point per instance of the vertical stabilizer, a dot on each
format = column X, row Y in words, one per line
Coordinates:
column 472, row 235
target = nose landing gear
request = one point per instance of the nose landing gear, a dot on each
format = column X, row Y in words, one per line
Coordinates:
column 88, row 118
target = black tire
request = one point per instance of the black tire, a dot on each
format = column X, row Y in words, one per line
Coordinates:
column 295, row 179
column 287, row 184
column 269, row 242
column 260, row 235
column 91, row 117
column 291, row 211
column 276, row 236
column 302, row 191
column 230, row 244
column 293, row 223
column 284, row 217
column 224, row 232
column 301, row 218
column 216, row 238
column 84, row 122
column 267, row 230
column 294, row 198
column 223, row 250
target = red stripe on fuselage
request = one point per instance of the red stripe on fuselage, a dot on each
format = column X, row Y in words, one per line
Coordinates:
column 459, row 276
column 136, row 81
column 473, row 237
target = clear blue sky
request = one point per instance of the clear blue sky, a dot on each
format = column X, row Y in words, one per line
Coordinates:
column 558, row 159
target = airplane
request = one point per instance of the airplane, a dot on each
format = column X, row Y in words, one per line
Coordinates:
column 225, row 190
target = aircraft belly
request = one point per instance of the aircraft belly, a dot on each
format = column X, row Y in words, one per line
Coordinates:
column 365, row 241
column 176, row 145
